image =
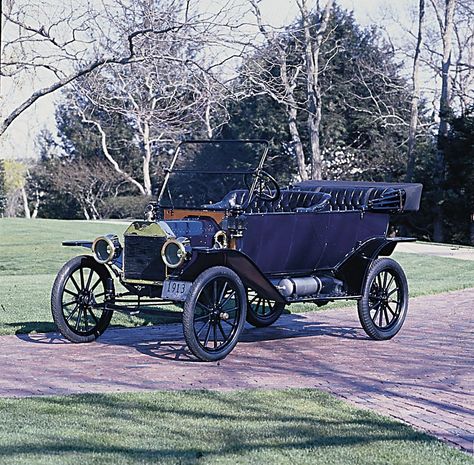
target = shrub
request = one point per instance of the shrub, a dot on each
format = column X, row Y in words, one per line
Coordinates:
column 128, row 206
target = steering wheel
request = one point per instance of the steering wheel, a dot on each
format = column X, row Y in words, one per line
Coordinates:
column 266, row 189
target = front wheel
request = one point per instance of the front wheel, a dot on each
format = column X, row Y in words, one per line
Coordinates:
column 78, row 299
column 214, row 313
column 384, row 303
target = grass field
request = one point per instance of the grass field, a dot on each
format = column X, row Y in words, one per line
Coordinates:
column 31, row 254
column 243, row 427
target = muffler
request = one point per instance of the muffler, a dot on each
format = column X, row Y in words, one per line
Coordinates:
column 299, row 286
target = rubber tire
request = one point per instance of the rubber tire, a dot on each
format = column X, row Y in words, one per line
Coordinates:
column 263, row 322
column 57, row 293
column 188, row 313
column 370, row 328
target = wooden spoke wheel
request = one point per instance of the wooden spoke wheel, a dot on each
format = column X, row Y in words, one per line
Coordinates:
column 78, row 299
column 214, row 313
column 262, row 312
column 384, row 303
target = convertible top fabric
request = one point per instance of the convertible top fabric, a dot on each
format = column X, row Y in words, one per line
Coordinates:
column 411, row 191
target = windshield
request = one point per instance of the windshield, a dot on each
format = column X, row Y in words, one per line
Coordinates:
column 203, row 172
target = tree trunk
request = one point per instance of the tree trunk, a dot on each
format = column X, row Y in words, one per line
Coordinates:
column 314, row 123
column 86, row 213
column 472, row 229
column 314, row 99
column 146, row 159
column 312, row 51
column 292, row 114
column 297, row 144
column 207, row 119
column 37, row 204
column 108, row 155
column 415, row 96
column 444, row 109
column 26, row 208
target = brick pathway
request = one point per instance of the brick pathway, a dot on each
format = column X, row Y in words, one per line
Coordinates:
column 424, row 376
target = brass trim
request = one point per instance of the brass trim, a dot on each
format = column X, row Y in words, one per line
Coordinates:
column 220, row 240
column 111, row 253
column 147, row 229
column 182, row 254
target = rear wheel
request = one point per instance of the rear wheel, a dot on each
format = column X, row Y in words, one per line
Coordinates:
column 78, row 299
column 214, row 313
column 262, row 312
column 384, row 303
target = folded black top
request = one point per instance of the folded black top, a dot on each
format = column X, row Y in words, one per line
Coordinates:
column 391, row 197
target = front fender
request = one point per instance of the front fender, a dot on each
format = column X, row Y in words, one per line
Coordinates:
column 86, row 244
column 237, row 261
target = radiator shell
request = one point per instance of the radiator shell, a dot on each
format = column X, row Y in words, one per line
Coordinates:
column 142, row 258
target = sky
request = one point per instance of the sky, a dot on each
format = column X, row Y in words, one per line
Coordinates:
column 19, row 139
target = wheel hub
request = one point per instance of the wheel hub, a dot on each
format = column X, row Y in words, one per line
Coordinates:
column 85, row 298
column 217, row 315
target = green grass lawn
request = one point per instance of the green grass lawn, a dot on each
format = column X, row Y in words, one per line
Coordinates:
column 31, row 254
column 242, row 427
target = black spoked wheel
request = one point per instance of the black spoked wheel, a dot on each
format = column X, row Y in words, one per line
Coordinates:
column 262, row 312
column 78, row 299
column 384, row 303
column 214, row 313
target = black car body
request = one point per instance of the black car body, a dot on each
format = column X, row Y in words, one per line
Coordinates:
column 243, row 254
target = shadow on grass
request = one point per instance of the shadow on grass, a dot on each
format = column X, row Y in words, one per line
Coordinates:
column 208, row 426
column 28, row 327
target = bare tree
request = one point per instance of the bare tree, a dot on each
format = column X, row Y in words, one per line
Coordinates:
column 443, row 58
column 281, row 89
column 313, row 37
column 415, row 94
column 86, row 181
column 16, row 173
column 445, row 19
column 162, row 96
column 65, row 45
column 281, row 47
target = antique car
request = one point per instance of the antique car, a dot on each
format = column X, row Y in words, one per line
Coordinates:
column 226, row 243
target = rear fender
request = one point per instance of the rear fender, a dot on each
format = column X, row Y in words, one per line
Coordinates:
column 237, row 261
column 354, row 268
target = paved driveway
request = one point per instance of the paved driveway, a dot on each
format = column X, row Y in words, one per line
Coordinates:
column 424, row 376
column 437, row 250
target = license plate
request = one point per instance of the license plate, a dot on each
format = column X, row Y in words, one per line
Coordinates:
column 175, row 290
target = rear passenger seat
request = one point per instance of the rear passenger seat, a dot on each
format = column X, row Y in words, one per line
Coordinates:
column 347, row 199
column 319, row 198
column 381, row 199
column 289, row 201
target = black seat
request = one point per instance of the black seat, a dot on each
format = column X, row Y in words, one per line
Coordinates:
column 347, row 199
column 289, row 201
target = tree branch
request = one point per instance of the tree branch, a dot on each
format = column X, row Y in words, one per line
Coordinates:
column 81, row 72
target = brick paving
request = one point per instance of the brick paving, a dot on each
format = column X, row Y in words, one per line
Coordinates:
column 423, row 377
